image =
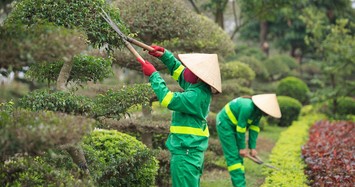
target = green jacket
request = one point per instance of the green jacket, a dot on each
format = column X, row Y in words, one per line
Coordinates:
column 188, row 130
column 244, row 115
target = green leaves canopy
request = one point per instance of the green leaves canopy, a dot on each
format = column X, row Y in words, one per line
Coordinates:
column 73, row 14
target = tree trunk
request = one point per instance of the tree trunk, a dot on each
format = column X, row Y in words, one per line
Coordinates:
column 77, row 154
column 75, row 151
column 147, row 139
column 335, row 103
column 263, row 37
column 195, row 6
column 219, row 18
column 64, row 75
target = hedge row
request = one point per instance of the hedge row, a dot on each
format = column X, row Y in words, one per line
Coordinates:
column 286, row 155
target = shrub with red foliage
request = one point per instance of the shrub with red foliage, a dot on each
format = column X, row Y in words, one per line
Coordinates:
column 330, row 154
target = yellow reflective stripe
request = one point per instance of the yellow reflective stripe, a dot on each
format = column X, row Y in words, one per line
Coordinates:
column 254, row 128
column 177, row 72
column 230, row 114
column 235, row 167
column 234, row 119
column 189, row 130
column 168, row 97
column 241, row 130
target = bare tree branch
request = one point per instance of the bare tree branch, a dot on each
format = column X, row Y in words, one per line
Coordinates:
column 195, row 6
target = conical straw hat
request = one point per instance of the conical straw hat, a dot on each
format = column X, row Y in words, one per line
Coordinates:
column 268, row 104
column 205, row 67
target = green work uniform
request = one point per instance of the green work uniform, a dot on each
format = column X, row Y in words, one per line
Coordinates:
column 238, row 116
column 188, row 138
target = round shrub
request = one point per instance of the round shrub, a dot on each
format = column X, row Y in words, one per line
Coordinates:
column 290, row 109
column 32, row 133
column 57, row 101
column 346, row 106
column 289, row 61
column 117, row 159
column 237, row 70
column 83, row 15
column 256, row 65
column 36, row 171
column 255, row 52
column 295, row 88
column 179, row 28
column 85, row 68
column 276, row 67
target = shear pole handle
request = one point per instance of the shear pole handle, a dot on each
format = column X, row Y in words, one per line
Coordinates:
column 256, row 160
column 140, row 44
column 133, row 51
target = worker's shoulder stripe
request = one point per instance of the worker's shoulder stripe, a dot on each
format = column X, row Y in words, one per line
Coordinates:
column 166, row 100
column 233, row 119
column 230, row 114
column 177, row 72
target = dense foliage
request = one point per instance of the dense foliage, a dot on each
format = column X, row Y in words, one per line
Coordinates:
column 239, row 71
column 170, row 24
column 117, row 159
column 21, row 46
column 85, row 68
column 329, row 153
column 57, row 101
column 73, row 14
column 295, row 88
column 113, row 103
column 290, row 109
column 41, row 171
column 276, row 67
column 32, row 133
column 257, row 66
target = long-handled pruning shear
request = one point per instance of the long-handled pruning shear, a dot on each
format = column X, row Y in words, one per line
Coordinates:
column 126, row 40
column 258, row 160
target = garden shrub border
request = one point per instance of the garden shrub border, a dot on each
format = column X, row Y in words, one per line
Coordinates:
column 286, row 155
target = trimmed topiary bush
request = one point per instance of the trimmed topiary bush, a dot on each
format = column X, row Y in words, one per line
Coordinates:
column 117, row 159
column 345, row 108
column 57, row 101
column 256, row 65
column 276, row 67
column 75, row 14
column 248, row 51
column 33, row 133
column 295, row 88
column 85, row 68
column 40, row 171
column 239, row 71
column 290, row 109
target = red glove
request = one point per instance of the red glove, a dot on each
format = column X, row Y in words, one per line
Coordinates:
column 147, row 67
column 158, row 51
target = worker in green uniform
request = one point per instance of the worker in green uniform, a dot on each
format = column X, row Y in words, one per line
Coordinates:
column 199, row 76
column 234, row 120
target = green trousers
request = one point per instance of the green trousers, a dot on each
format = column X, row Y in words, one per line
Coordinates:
column 228, row 138
column 186, row 169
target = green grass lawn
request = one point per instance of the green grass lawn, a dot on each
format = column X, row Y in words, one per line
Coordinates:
column 253, row 172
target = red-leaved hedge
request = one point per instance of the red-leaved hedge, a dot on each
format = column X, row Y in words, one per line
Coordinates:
column 330, row 154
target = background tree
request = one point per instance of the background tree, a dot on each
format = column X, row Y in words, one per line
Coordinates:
column 335, row 48
column 173, row 26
